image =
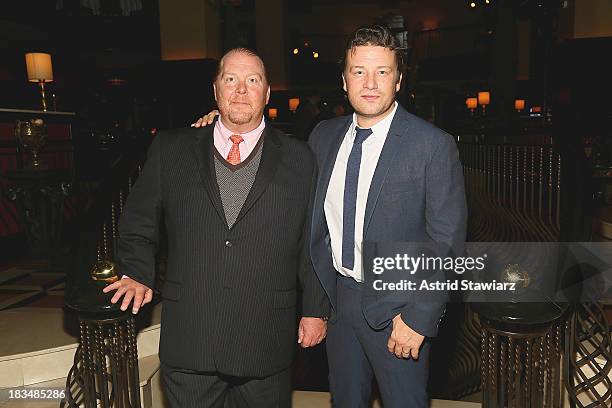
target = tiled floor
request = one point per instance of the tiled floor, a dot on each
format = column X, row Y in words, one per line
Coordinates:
column 31, row 284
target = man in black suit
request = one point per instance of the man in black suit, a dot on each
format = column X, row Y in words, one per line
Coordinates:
column 236, row 202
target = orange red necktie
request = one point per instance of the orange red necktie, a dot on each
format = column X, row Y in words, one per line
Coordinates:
column 233, row 156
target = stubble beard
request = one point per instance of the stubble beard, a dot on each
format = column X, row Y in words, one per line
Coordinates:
column 236, row 115
column 373, row 111
column 240, row 118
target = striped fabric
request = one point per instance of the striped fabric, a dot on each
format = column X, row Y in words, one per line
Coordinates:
column 229, row 293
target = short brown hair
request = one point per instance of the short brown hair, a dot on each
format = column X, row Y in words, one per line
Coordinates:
column 378, row 36
column 245, row 51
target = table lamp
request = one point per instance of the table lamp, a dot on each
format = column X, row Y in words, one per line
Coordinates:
column 40, row 70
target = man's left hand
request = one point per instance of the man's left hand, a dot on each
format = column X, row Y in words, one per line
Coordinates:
column 312, row 331
column 404, row 342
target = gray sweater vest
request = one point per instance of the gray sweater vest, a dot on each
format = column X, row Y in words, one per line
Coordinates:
column 235, row 182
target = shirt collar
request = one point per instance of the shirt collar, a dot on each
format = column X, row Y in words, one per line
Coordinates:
column 380, row 128
column 250, row 138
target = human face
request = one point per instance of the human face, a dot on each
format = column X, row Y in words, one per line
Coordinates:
column 241, row 92
column 371, row 80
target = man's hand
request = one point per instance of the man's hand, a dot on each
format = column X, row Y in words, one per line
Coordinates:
column 312, row 331
column 206, row 119
column 404, row 342
column 130, row 289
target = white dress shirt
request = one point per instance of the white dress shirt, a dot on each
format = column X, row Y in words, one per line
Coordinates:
column 334, row 198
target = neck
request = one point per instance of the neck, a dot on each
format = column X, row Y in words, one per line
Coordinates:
column 242, row 128
column 365, row 122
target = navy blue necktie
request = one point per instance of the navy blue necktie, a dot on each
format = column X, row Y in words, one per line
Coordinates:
column 350, row 198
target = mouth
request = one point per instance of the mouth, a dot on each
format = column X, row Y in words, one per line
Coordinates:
column 370, row 98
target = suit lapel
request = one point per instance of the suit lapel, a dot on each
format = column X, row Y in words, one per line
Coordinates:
column 203, row 149
column 270, row 158
column 328, row 167
column 387, row 157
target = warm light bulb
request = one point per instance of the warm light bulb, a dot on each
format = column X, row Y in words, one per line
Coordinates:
column 295, row 51
column 315, row 55
column 471, row 103
column 272, row 113
column 484, row 98
column 472, row 4
column 293, row 104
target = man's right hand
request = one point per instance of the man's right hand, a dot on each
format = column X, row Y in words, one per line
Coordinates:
column 130, row 290
column 206, row 119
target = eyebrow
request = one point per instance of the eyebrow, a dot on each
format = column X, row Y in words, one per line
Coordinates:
column 248, row 75
column 361, row 66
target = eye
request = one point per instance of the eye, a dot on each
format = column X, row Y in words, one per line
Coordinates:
column 253, row 80
column 229, row 80
column 358, row 72
column 383, row 72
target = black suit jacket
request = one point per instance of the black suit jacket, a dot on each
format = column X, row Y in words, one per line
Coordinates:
column 230, row 293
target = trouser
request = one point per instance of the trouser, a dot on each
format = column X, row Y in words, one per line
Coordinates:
column 357, row 354
column 187, row 388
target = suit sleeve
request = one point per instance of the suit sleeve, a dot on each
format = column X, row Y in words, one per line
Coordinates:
column 139, row 223
column 446, row 223
column 314, row 299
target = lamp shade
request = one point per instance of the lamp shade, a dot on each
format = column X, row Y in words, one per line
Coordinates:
column 39, row 67
column 519, row 104
column 471, row 103
column 293, row 104
column 484, row 98
column 272, row 113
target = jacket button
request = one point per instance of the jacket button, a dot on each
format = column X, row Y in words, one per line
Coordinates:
column 228, row 244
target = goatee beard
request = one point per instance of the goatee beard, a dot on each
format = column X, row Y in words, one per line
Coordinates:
column 240, row 118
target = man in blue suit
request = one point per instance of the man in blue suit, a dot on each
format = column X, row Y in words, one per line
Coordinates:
column 384, row 175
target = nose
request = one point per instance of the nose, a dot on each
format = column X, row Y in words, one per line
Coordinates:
column 241, row 88
column 370, row 82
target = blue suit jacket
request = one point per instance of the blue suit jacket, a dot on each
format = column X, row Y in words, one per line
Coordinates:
column 416, row 195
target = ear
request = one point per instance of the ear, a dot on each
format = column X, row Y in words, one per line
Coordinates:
column 268, row 95
column 399, row 83
column 344, row 83
column 215, row 90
